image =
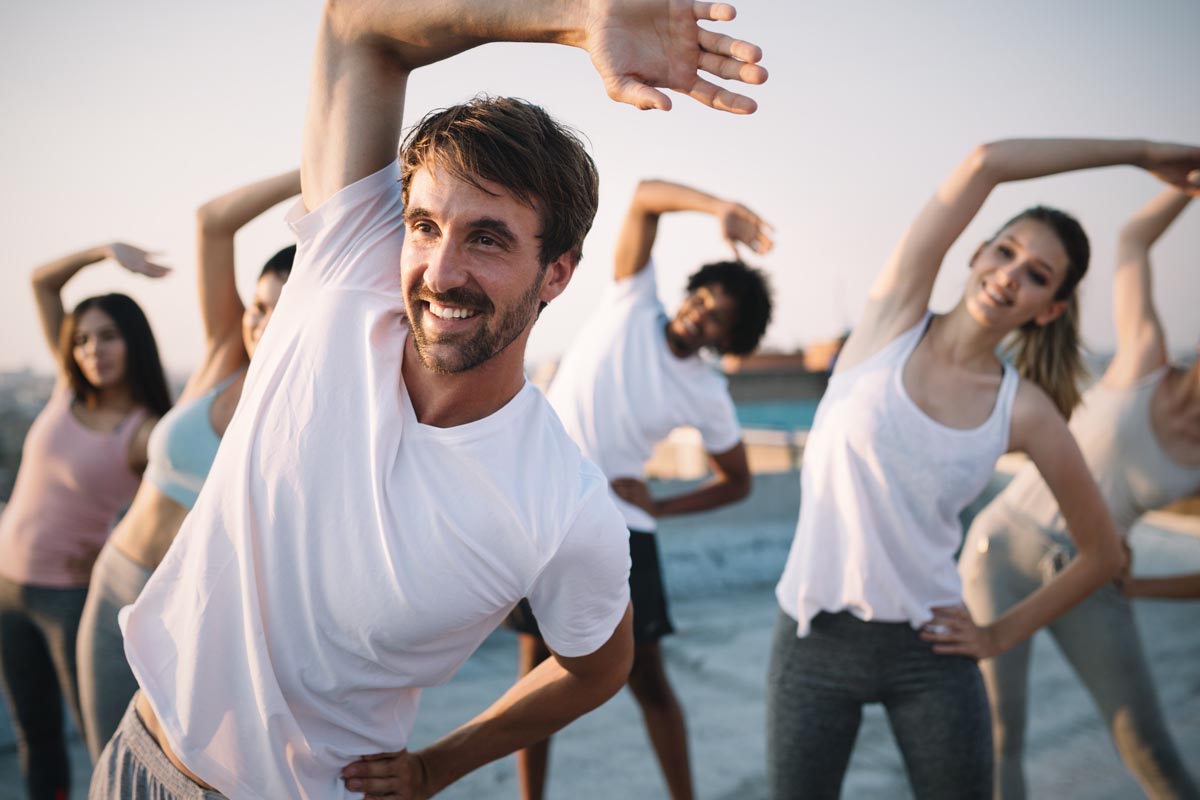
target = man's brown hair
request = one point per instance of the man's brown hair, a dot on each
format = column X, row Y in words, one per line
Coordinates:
column 518, row 145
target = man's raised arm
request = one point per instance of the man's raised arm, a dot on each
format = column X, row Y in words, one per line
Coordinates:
column 367, row 48
column 653, row 198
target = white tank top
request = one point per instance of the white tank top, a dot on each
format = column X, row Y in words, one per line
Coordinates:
column 1134, row 473
column 881, row 490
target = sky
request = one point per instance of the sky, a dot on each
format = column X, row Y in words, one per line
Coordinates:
column 122, row 117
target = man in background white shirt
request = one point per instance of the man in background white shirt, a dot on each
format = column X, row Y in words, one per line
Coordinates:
column 631, row 377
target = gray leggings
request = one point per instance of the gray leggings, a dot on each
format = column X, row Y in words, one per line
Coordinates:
column 817, row 686
column 106, row 684
column 37, row 671
column 1004, row 560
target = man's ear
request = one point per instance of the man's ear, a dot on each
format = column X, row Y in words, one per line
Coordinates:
column 1052, row 313
column 557, row 275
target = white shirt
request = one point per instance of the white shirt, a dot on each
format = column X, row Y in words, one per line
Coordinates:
column 342, row 555
column 880, row 494
column 620, row 390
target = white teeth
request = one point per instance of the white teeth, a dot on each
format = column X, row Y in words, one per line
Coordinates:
column 998, row 298
column 450, row 312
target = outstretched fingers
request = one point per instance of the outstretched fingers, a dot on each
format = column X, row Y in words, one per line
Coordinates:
column 714, row 12
column 720, row 44
column 721, row 99
column 625, row 89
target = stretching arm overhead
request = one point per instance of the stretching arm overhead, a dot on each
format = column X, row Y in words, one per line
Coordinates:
column 217, row 222
column 367, row 48
column 50, row 278
column 1141, row 345
column 653, row 198
column 901, row 293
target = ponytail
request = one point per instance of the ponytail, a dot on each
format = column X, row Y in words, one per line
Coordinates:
column 1051, row 355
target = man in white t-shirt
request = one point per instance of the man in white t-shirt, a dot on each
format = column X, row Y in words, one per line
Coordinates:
column 390, row 485
column 631, row 377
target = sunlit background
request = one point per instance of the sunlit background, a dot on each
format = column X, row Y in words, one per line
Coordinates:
column 121, row 117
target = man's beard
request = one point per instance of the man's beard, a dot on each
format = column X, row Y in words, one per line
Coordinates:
column 472, row 348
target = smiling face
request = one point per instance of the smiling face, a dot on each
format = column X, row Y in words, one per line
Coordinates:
column 705, row 319
column 258, row 313
column 1015, row 277
column 470, row 271
column 99, row 349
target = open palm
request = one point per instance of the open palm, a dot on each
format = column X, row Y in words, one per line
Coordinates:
column 640, row 46
column 136, row 260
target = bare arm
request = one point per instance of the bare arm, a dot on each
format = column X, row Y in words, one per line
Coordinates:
column 1141, row 345
column 652, row 199
column 367, row 48
column 1041, row 432
column 217, row 222
column 49, row 280
column 901, row 293
column 731, row 482
column 1172, row 587
column 558, row 691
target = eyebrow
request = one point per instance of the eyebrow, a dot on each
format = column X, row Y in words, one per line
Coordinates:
column 1036, row 261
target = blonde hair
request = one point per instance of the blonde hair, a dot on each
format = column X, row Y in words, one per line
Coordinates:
column 1051, row 355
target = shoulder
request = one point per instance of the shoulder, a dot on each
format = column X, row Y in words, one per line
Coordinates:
column 1035, row 417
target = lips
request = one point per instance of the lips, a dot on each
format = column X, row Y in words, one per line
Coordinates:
column 997, row 297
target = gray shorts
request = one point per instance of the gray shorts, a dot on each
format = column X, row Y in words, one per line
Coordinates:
column 134, row 767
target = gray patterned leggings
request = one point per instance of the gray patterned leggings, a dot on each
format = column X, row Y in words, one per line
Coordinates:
column 817, row 686
column 106, row 684
column 1004, row 560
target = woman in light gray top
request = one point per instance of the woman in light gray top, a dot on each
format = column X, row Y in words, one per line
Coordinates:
column 1139, row 430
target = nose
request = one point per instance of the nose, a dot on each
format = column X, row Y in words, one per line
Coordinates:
column 1008, row 274
column 443, row 268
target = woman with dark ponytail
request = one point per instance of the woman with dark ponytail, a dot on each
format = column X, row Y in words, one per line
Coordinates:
column 80, row 466
column 182, row 448
column 917, row 411
column 1139, row 430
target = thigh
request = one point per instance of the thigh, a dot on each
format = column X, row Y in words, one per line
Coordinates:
column 57, row 612
column 27, row 674
column 106, row 683
column 814, row 709
column 938, row 711
column 1100, row 639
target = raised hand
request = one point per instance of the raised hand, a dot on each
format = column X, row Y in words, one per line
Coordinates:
column 640, row 46
column 136, row 260
column 1176, row 164
column 954, row 633
column 741, row 226
column 396, row 776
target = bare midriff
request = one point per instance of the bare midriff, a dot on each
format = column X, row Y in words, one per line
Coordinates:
column 148, row 527
column 150, row 720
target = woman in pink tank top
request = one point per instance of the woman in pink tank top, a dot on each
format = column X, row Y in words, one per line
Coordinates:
column 80, row 466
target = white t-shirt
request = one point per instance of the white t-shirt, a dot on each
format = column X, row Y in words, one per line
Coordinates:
column 620, row 390
column 342, row 555
column 880, row 494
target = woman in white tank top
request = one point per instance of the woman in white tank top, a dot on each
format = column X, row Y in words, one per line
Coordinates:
column 1139, row 430
column 917, row 410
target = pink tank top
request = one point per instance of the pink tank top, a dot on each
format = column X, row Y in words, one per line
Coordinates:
column 72, row 484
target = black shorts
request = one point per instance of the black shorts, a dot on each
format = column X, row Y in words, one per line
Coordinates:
column 650, row 619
